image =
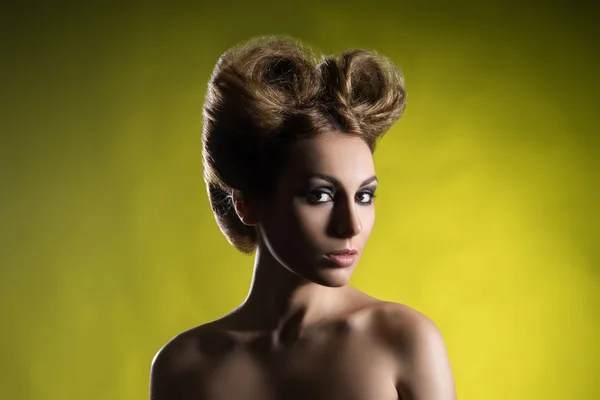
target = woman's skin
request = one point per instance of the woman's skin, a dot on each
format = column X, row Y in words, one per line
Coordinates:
column 303, row 332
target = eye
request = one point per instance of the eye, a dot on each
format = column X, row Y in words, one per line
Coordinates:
column 365, row 197
column 319, row 196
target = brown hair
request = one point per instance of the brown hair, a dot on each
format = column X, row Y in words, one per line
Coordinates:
column 271, row 91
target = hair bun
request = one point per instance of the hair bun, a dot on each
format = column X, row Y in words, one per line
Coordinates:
column 270, row 92
column 272, row 78
column 366, row 85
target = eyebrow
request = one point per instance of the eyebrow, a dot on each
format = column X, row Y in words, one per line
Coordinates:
column 334, row 181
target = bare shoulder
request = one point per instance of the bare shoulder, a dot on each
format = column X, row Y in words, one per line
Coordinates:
column 186, row 354
column 418, row 347
column 402, row 324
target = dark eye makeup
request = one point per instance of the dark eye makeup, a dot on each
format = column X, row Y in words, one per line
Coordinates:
column 364, row 196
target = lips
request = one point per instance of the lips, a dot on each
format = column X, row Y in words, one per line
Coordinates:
column 343, row 252
column 343, row 258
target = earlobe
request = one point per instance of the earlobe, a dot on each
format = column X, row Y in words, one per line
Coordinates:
column 243, row 209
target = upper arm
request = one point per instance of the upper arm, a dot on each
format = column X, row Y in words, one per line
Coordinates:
column 424, row 371
column 163, row 385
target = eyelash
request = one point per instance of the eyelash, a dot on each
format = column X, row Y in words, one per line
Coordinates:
column 327, row 192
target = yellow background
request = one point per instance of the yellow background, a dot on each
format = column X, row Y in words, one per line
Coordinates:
column 487, row 208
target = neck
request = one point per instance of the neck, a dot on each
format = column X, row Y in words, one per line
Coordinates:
column 279, row 298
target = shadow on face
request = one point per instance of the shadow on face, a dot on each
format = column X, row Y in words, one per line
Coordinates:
column 323, row 202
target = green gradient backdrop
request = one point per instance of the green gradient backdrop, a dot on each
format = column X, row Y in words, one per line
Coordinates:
column 487, row 211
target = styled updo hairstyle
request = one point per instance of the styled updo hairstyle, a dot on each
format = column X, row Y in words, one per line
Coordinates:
column 272, row 91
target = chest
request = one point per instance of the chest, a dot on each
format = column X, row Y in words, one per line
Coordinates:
column 319, row 368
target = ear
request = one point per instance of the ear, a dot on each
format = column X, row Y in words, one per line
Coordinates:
column 245, row 208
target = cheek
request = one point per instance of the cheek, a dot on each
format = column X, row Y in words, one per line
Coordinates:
column 311, row 224
column 311, row 221
column 296, row 231
column 301, row 229
column 367, row 218
column 302, row 232
column 294, row 227
column 368, row 225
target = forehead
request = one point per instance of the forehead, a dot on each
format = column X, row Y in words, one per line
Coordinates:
column 337, row 154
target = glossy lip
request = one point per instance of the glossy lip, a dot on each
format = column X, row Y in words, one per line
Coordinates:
column 342, row 260
column 343, row 252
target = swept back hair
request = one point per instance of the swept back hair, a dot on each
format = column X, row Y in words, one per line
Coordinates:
column 271, row 91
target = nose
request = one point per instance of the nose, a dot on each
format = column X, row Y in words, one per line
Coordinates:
column 346, row 222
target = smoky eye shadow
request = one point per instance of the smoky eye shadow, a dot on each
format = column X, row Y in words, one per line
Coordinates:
column 372, row 188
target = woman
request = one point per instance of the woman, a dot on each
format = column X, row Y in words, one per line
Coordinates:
column 288, row 141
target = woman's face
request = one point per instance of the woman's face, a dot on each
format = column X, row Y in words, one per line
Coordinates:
column 323, row 203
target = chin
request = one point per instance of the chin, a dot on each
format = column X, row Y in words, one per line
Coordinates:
column 336, row 284
column 322, row 274
column 337, row 277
